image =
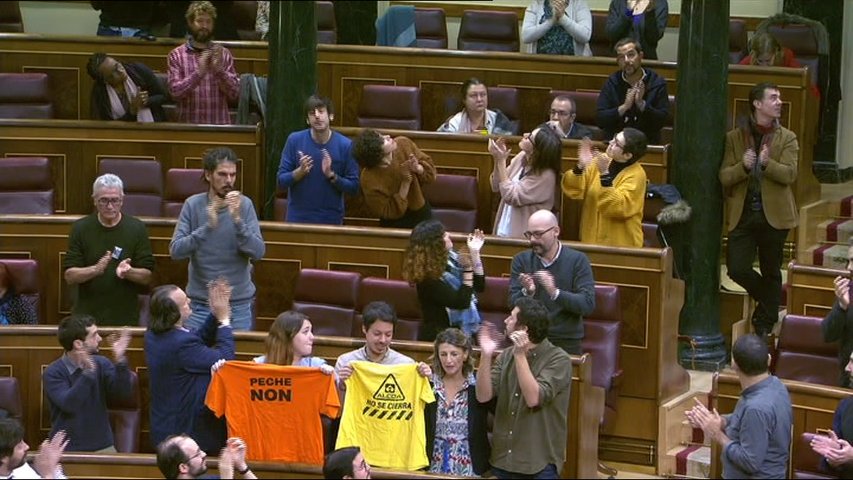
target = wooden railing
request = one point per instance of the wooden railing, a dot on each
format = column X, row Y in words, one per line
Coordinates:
column 28, row 350
column 651, row 297
column 811, row 290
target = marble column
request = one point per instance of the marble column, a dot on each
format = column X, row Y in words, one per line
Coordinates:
column 698, row 151
column 292, row 79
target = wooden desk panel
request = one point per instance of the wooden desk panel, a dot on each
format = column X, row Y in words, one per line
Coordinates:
column 651, row 297
column 28, row 350
column 811, row 290
column 343, row 69
column 74, row 149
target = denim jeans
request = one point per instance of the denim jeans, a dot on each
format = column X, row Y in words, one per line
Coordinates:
column 242, row 317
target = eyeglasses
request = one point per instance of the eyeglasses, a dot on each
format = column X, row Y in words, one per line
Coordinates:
column 528, row 235
column 613, row 141
column 629, row 55
column 363, row 466
column 103, row 201
column 560, row 113
column 197, row 454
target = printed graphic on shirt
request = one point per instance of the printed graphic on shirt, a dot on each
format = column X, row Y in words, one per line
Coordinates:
column 275, row 409
column 383, row 414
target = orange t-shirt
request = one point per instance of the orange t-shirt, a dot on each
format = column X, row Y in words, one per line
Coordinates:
column 275, row 409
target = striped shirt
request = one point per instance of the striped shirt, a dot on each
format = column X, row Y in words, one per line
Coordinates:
column 202, row 98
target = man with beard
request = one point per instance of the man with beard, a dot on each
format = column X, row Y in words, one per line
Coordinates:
column 202, row 78
column 78, row 384
column 179, row 456
column 557, row 276
column 316, row 195
column 759, row 167
column 633, row 96
column 531, row 382
column 13, row 453
column 218, row 232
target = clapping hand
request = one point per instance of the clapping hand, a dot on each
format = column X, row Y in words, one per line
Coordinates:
column 764, row 155
column 842, row 291
column 101, row 265
column 232, row 201
column 216, row 58
column 546, row 279
column 585, row 154
column 749, row 159
column 498, row 149
column 120, row 344
column 213, row 212
column 487, row 339
column 326, row 164
column 639, row 93
column 602, row 161
column 219, row 296
column 630, row 96
column 305, row 165
column 414, row 165
column 559, row 8
column 475, row 241
column 528, row 283
column 520, row 341
column 49, row 455
column 122, row 268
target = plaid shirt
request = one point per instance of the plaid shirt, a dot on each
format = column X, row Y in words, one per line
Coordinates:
column 202, row 98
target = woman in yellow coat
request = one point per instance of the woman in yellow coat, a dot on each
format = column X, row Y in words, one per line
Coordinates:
column 612, row 186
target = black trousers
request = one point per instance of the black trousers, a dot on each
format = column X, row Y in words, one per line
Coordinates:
column 752, row 234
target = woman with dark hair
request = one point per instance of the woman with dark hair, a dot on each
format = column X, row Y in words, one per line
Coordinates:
column 291, row 342
column 14, row 309
column 456, row 423
column 475, row 116
column 612, row 186
column 394, row 170
column 445, row 280
column 528, row 183
column 128, row 92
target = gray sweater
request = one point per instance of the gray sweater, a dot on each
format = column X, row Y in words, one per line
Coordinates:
column 573, row 277
column 226, row 250
column 760, row 431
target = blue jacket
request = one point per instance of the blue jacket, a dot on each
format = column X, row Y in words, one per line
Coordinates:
column 179, row 364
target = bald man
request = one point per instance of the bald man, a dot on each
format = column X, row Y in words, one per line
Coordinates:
column 556, row 275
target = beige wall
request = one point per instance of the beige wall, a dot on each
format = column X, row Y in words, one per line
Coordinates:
column 844, row 144
column 60, row 18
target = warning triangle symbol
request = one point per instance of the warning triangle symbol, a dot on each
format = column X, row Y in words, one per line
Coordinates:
column 390, row 390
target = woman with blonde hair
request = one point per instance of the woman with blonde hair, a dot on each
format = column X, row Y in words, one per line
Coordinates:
column 528, row 182
column 456, row 422
column 445, row 280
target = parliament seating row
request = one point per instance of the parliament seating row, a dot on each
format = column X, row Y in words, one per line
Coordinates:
column 25, row 95
column 803, row 355
column 24, row 280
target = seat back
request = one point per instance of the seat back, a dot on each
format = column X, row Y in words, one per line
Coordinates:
column 25, row 95
column 280, row 204
column 143, row 184
column 667, row 132
column 401, row 295
column 245, row 14
column 599, row 43
column 126, row 418
column 390, row 106
column 26, row 185
column 453, row 199
column 493, row 305
column 738, row 44
column 492, row 31
column 803, row 355
column 506, row 100
column 10, row 17
column 586, row 104
column 430, row 28
column 327, row 28
column 10, row 398
column 329, row 298
column 603, row 339
column 24, row 275
column 181, row 183
column 803, row 42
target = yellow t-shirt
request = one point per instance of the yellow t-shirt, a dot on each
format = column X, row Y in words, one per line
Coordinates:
column 275, row 409
column 384, row 414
